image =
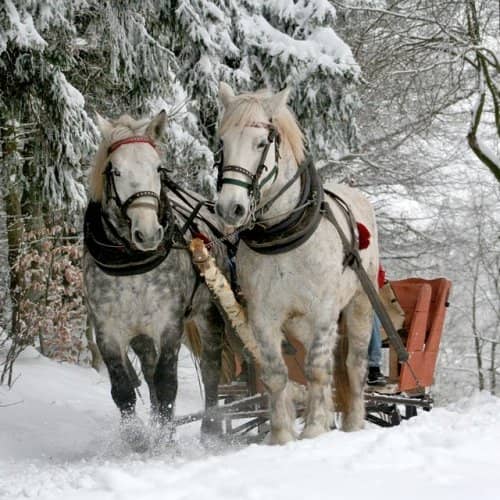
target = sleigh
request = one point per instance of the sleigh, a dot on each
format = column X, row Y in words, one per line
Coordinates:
column 416, row 306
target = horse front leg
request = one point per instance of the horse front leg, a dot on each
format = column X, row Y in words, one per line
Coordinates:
column 145, row 350
column 318, row 372
column 165, row 379
column 122, row 391
column 358, row 321
column 274, row 376
column 211, row 330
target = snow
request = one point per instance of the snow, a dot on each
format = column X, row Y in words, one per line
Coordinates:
column 60, row 441
column 23, row 31
column 323, row 48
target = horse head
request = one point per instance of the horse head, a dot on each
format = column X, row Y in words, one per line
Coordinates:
column 257, row 129
column 127, row 178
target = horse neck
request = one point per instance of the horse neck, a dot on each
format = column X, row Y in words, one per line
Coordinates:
column 288, row 200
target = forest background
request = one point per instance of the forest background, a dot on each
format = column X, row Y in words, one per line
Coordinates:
column 399, row 98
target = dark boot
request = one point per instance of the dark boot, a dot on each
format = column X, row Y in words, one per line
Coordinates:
column 375, row 377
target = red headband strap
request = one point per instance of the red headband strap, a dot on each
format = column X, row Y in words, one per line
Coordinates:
column 130, row 140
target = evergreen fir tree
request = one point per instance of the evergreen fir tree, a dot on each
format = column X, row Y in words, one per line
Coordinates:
column 271, row 44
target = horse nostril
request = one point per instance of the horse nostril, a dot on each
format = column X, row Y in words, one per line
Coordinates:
column 138, row 236
column 238, row 210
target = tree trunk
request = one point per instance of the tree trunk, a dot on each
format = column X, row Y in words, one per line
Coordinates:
column 15, row 231
column 493, row 374
column 475, row 333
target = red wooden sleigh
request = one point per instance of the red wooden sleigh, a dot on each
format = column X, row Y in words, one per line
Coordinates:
column 424, row 303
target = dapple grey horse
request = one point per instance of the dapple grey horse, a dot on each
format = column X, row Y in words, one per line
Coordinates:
column 147, row 307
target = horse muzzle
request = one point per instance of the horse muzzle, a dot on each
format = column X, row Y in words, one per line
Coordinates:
column 146, row 238
column 232, row 214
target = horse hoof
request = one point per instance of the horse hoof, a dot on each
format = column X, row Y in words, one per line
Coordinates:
column 134, row 433
column 212, row 442
column 211, row 427
column 312, row 431
column 281, row 437
column 349, row 425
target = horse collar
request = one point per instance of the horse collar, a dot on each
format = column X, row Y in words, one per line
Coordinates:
column 296, row 229
column 114, row 255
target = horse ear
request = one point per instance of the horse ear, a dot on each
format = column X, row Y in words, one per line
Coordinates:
column 226, row 94
column 156, row 126
column 277, row 102
column 104, row 126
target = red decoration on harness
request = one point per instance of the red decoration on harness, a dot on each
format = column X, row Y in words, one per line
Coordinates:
column 202, row 237
column 381, row 276
column 130, row 140
column 363, row 236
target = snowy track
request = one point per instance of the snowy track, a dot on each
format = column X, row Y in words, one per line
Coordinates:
column 60, row 442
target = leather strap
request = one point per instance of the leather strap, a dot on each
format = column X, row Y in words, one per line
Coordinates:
column 296, row 229
column 130, row 140
column 353, row 260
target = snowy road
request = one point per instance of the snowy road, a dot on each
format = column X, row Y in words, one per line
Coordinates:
column 60, row 442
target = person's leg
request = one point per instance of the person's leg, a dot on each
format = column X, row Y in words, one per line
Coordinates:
column 375, row 376
column 375, row 346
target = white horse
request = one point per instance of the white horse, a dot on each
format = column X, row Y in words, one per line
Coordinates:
column 300, row 292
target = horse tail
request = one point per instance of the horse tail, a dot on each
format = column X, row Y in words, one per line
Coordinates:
column 341, row 376
column 193, row 341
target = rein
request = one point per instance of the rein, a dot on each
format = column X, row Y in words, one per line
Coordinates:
column 352, row 259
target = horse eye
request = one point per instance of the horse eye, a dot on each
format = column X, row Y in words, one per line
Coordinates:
column 262, row 144
column 113, row 171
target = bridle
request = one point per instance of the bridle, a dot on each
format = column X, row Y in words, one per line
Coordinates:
column 112, row 251
column 111, row 191
column 256, row 183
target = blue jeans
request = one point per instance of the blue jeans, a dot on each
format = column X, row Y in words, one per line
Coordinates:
column 375, row 346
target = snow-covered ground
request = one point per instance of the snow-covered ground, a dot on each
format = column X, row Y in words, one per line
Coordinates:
column 59, row 440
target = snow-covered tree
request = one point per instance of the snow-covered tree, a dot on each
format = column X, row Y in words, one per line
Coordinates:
column 253, row 44
column 41, row 110
column 62, row 61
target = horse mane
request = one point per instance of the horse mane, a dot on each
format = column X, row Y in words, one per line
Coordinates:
column 123, row 127
column 245, row 109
